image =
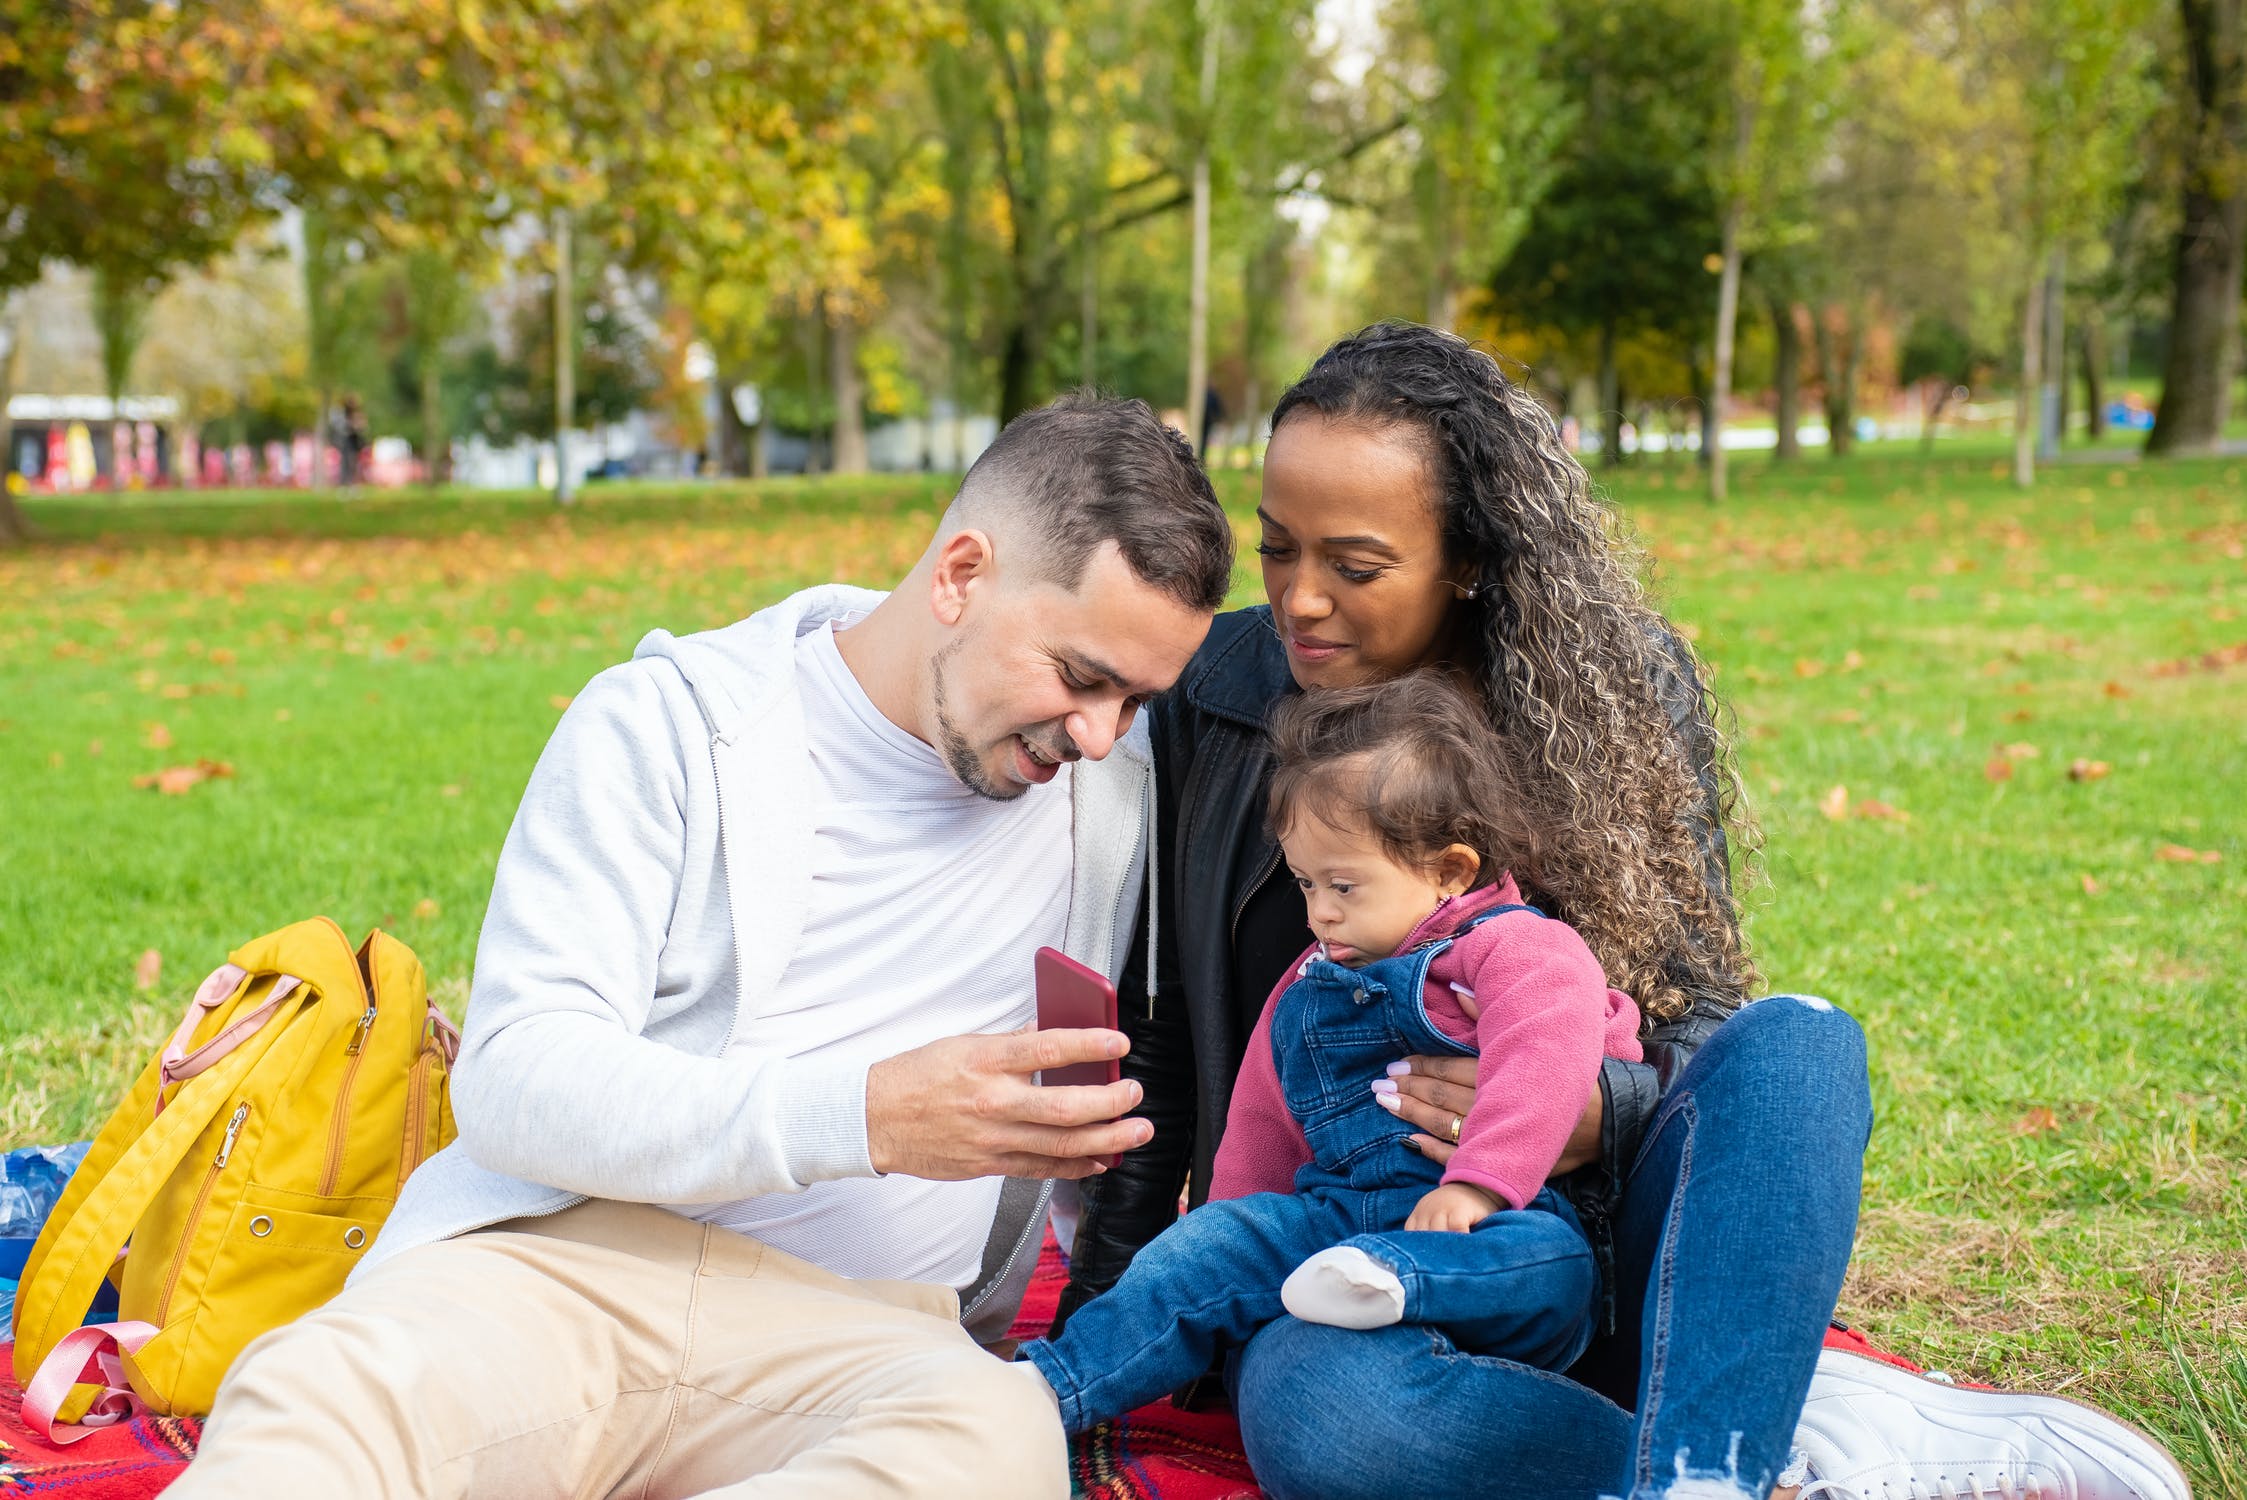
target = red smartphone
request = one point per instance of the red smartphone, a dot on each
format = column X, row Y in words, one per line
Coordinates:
column 1072, row 997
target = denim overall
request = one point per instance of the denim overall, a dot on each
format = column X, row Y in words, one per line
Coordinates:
column 1521, row 1286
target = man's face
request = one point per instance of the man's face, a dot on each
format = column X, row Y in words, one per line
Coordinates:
column 1036, row 675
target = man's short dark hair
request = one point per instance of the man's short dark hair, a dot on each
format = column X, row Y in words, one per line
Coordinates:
column 1088, row 469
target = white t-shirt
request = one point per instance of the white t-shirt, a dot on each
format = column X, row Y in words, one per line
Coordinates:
column 927, row 904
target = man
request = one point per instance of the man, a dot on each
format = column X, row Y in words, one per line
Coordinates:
column 745, row 1072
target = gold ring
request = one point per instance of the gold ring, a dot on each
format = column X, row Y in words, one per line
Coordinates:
column 1456, row 1122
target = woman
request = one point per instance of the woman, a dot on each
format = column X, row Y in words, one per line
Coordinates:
column 1419, row 511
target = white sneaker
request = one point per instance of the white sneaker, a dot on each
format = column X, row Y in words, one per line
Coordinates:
column 1875, row 1431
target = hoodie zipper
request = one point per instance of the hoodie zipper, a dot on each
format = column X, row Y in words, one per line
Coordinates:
column 195, row 1213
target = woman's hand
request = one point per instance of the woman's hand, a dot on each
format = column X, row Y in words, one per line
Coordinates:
column 1433, row 1091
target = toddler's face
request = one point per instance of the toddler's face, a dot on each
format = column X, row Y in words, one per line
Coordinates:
column 1362, row 901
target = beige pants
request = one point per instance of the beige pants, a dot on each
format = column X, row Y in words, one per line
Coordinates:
column 618, row 1350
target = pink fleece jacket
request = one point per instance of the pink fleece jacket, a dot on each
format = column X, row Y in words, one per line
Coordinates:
column 1547, row 1017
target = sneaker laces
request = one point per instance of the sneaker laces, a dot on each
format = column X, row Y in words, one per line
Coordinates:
column 1999, row 1487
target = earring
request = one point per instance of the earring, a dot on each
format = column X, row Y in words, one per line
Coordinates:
column 1467, row 593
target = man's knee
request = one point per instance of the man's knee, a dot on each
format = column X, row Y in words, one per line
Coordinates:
column 1009, row 1429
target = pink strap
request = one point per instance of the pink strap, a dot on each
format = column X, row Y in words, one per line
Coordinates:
column 83, row 1357
column 179, row 1063
column 447, row 1034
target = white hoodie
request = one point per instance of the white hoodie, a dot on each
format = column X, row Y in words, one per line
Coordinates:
column 612, row 970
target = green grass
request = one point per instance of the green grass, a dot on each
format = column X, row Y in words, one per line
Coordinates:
column 2055, row 1191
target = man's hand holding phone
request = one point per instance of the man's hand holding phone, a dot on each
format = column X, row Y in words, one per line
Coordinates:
column 970, row 1106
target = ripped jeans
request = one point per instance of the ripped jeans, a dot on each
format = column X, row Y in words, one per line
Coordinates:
column 1730, row 1242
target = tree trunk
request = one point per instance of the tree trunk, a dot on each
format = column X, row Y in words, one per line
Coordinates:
column 2025, row 403
column 1610, row 399
column 2052, row 376
column 1088, row 311
column 1927, row 428
column 436, row 457
column 2196, row 377
column 1720, row 385
column 850, row 404
column 319, row 338
column 1019, row 358
column 13, row 528
column 1786, row 379
column 760, row 453
column 1197, row 292
column 2094, row 345
column 1840, row 355
column 565, row 361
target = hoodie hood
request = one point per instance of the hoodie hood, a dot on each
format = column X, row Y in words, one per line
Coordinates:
column 738, row 673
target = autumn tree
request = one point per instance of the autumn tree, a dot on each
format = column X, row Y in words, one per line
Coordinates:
column 2210, row 254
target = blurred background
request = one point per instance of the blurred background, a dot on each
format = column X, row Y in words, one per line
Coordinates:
column 327, row 243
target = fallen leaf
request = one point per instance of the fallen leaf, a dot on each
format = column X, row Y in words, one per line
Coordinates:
column 2091, row 887
column 156, row 736
column 2036, row 1122
column 2178, row 854
column 282, row 716
column 1852, row 661
column 1873, row 807
column 1835, row 804
column 2019, row 750
column 449, row 790
column 2117, row 690
column 559, row 700
column 1998, row 768
column 2080, row 769
column 2020, row 716
column 176, row 690
column 1805, row 667
column 177, row 781
column 93, row 747
column 148, row 970
column 425, row 908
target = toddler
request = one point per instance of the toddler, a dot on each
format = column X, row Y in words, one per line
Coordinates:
column 1396, row 818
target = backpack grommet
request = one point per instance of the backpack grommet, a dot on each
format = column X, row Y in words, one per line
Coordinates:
column 354, row 1237
column 261, row 1226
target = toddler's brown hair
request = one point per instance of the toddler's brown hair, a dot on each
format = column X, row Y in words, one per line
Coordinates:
column 1413, row 761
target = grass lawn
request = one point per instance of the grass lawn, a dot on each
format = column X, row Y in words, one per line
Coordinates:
column 2048, row 964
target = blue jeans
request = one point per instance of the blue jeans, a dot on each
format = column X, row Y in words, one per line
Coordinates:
column 1520, row 1285
column 1730, row 1242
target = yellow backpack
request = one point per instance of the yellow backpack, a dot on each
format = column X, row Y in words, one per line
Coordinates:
column 240, row 1179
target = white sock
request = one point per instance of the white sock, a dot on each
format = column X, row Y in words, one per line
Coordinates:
column 1344, row 1288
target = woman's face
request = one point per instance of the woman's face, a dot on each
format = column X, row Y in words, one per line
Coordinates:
column 1353, row 553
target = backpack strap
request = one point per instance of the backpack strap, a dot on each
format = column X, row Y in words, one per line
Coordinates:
column 76, row 1249
column 83, row 1353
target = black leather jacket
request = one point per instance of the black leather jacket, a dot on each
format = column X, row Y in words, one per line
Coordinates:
column 1190, row 1027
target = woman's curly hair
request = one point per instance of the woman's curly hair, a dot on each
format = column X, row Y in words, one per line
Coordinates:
column 1599, row 704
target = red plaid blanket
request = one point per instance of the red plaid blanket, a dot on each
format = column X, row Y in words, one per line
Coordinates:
column 1156, row 1453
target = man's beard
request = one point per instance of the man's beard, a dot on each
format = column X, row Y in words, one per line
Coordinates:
column 959, row 755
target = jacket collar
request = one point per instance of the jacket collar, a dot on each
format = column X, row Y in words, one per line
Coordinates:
column 1453, row 910
column 1240, row 672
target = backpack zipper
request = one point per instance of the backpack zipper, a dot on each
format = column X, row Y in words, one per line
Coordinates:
column 195, row 1213
column 339, row 1123
column 417, row 1115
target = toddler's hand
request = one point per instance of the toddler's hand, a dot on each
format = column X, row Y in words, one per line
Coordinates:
column 1456, row 1206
